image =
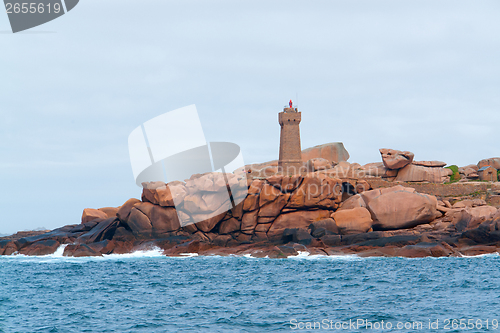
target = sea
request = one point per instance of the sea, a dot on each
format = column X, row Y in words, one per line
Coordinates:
column 149, row 292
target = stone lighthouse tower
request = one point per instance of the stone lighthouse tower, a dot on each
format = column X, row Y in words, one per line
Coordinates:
column 290, row 160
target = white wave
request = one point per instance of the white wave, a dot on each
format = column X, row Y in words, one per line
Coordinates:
column 59, row 252
column 154, row 252
column 307, row 255
column 188, row 254
column 493, row 254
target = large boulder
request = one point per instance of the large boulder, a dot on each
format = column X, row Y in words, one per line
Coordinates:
column 139, row 221
column 353, row 221
column 90, row 214
column 494, row 162
column 164, row 220
column 418, row 173
column 401, row 209
column 124, row 211
column 334, row 152
column 396, row 159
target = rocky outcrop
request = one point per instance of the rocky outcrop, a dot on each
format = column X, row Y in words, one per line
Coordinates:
column 394, row 208
column 419, row 173
column 399, row 166
column 334, row 152
column 494, row 162
column 469, row 172
column 395, row 159
column 328, row 208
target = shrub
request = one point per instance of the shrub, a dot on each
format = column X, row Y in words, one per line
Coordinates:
column 455, row 177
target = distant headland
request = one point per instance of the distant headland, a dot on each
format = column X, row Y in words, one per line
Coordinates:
column 309, row 200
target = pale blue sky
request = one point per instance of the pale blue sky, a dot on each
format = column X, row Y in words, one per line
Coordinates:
column 419, row 75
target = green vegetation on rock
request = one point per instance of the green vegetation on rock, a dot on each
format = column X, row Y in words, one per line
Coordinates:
column 455, row 177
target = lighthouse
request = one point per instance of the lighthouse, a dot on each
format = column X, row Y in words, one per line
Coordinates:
column 290, row 158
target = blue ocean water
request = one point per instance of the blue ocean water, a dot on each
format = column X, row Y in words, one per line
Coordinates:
column 147, row 292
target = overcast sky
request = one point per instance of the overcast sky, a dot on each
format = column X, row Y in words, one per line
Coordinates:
column 422, row 76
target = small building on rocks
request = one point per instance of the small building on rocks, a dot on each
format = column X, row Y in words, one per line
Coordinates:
column 488, row 173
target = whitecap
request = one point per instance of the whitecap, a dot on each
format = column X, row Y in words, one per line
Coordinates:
column 154, row 252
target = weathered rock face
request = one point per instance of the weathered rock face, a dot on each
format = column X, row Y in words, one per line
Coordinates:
column 470, row 217
column 417, row 173
column 317, row 191
column 377, row 169
column 430, row 164
column 469, row 171
column 395, row 159
column 297, row 219
column 353, row 221
column 324, row 227
column 249, row 222
column 334, row 152
column 110, row 211
column 170, row 194
column 353, row 202
column 90, row 214
column 124, row 211
column 80, row 250
column 210, row 223
column 139, row 221
column 401, row 210
column 229, row 226
column 494, row 162
column 41, row 248
column 317, row 164
column 164, row 220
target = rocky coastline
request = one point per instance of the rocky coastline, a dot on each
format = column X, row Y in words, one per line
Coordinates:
column 398, row 207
